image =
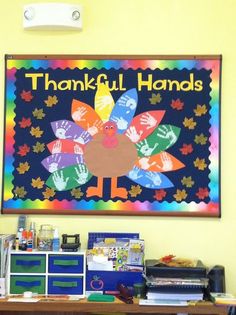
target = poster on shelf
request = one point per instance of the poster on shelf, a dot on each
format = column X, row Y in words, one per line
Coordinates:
column 132, row 135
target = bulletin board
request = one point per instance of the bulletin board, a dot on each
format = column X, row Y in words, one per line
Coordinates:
column 123, row 135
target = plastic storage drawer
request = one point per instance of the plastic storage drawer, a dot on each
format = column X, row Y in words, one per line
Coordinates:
column 66, row 264
column 28, row 263
column 65, row 285
column 20, row 284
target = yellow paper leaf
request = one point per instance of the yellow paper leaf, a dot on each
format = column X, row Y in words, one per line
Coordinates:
column 200, row 164
column 189, row 123
column 23, row 167
column 51, row 101
column 36, row 132
column 37, row 183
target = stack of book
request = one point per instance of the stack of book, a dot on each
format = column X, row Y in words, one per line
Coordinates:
column 175, row 289
column 223, row 298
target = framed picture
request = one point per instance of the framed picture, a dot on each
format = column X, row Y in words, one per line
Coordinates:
column 124, row 135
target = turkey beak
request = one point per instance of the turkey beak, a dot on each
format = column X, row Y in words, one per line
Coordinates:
column 110, row 132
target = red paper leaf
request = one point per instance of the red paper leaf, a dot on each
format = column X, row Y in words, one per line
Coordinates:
column 25, row 122
column 26, row 96
column 177, row 104
column 160, row 194
column 186, row 149
column 202, row 193
column 23, row 150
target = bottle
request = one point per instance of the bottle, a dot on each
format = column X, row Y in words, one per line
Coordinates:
column 55, row 241
column 33, row 231
column 30, row 241
column 23, row 244
column 17, row 243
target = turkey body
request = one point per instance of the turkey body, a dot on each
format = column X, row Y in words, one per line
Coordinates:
column 110, row 162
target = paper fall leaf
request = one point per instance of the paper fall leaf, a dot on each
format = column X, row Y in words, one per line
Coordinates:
column 37, row 183
column 25, row 122
column 200, row 139
column 23, row 150
column 200, row 164
column 177, row 104
column 51, row 101
column 135, row 191
column 156, row 98
column 77, row 193
column 38, row 113
column 189, row 123
column 200, row 110
column 20, row 192
column 36, row 132
column 48, row 193
column 38, row 147
column 26, row 96
column 187, row 181
column 186, row 149
column 180, row 195
column 160, row 194
column 23, row 168
column 202, row 193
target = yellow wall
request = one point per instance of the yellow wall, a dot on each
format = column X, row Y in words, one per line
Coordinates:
column 148, row 27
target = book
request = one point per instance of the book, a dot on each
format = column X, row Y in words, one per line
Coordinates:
column 176, row 282
column 175, row 296
column 223, row 298
column 162, row 302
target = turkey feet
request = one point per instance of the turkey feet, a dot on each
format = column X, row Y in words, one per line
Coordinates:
column 96, row 191
column 117, row 192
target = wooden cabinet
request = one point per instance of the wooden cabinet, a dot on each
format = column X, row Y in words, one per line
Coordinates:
column 47, row 273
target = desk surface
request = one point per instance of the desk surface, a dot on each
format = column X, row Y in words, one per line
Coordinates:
column 82, row 306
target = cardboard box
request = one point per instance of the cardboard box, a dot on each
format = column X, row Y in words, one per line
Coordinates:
column 97, row 280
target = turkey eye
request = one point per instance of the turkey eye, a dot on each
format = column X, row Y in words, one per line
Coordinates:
column 106, row 127
column 111, row 127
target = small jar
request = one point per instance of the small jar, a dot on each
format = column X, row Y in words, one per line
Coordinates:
column 139, row 290
column 45, row 237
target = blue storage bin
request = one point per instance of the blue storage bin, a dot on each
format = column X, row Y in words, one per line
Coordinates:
column 65, row 285
column 97, row 280
column 65, row 264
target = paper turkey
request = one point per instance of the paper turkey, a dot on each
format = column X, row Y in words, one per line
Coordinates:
column 109, row 142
